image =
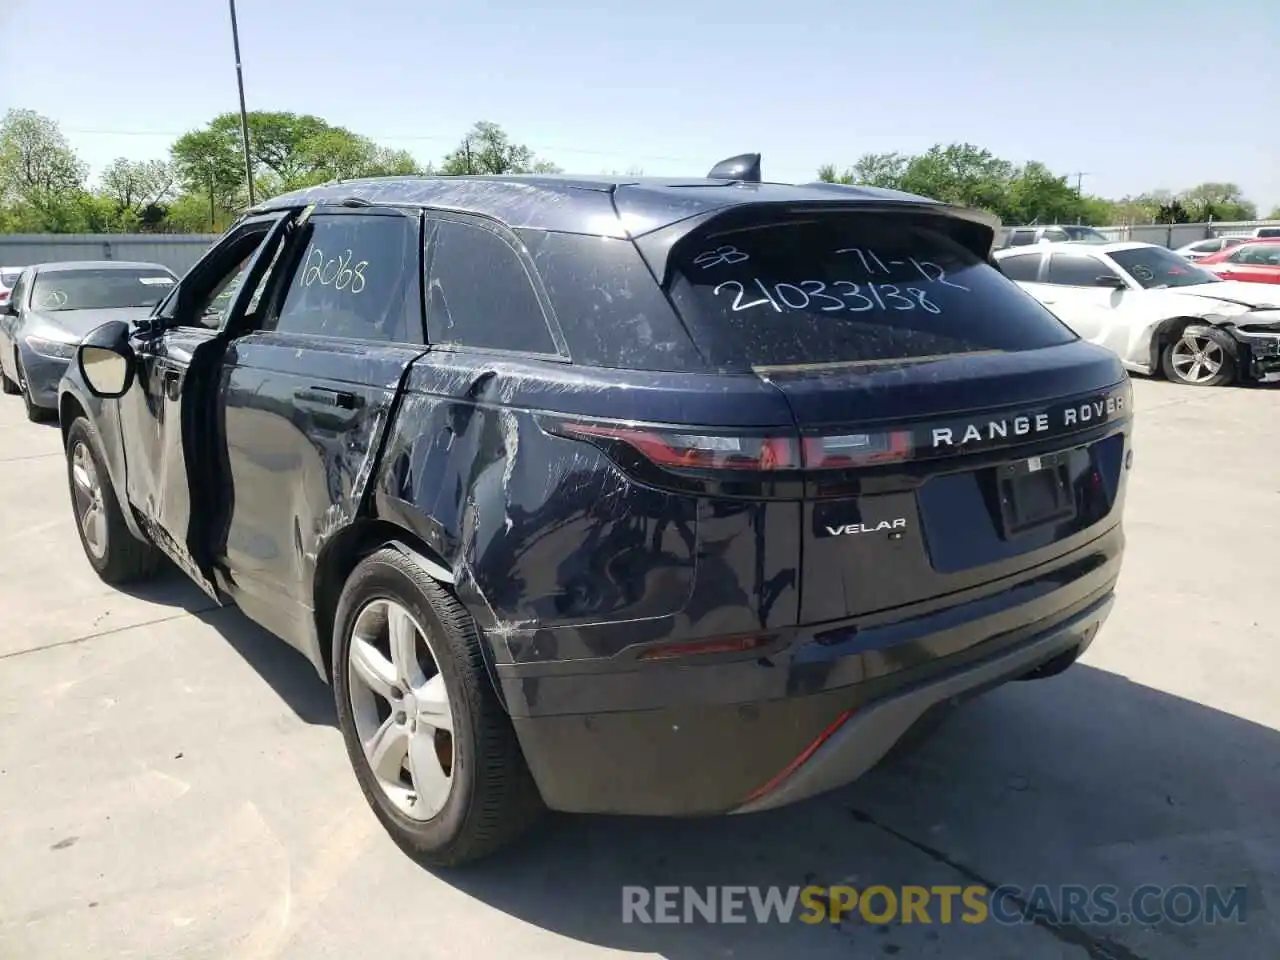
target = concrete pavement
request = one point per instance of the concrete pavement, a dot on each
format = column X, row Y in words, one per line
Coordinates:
column 172, row 786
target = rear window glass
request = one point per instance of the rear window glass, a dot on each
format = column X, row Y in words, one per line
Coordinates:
column 849, row 288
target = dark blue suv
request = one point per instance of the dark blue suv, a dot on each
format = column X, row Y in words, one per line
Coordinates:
column 661, row 497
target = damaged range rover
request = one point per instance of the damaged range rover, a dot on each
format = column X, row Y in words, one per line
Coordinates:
column 657, row 497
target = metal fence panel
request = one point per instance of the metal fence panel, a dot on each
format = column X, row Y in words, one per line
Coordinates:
column 178, row 252
column 1174, row 235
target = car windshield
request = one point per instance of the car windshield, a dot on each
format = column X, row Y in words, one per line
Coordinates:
column 99, row 289
column 848, row 288
column 1155, row 268
column 1085, row 234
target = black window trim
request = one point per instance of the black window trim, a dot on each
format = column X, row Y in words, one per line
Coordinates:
column 512, row 240
column 286, row 269
column 1036, row 254
column 246, row 225
column 1103, row 266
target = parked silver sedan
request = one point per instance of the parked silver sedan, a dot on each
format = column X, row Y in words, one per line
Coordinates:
column 51, row 308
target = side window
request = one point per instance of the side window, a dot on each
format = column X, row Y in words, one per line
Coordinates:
column 1024, row 267
column 1072, row 270
column 1054, row 234
column 356, row 279
column 1240, row 254
column 1206, row 246
column 479, row 293
column 1021, row 238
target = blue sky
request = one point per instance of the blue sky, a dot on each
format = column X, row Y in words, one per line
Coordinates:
column 1128, row 92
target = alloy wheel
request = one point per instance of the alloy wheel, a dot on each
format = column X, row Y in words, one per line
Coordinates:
column 91, row 513
column 1197, row 358
column 401, row 708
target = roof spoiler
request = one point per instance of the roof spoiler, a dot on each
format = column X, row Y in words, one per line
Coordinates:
column 744, row 167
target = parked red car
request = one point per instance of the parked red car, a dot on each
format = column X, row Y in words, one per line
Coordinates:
column 1257, row 261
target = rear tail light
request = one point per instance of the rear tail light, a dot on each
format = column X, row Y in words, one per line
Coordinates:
column 674, row 448
column 677, row 449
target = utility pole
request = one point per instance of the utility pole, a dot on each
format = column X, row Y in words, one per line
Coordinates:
column 1080, row 175
column 467, row 145
column 244, row 116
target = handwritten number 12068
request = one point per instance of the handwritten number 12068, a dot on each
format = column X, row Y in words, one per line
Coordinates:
column 336, row 272
column 814, row 295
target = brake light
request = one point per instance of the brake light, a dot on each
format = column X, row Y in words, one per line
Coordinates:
column 681, row 450
column 674, row 448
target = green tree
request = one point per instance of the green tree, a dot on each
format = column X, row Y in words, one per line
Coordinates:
column 209, row 166
column 487, row 149
column 1217, row 201
column 138, row 189
column 41, row 178
column 1036, row 194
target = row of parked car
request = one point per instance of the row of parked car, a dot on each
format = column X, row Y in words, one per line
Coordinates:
column 1205, row 315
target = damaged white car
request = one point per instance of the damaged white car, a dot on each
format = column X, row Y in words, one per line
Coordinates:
column 1155, row 309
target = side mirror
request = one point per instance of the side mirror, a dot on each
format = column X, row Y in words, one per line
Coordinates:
column 1111, row 281
column 107, row 360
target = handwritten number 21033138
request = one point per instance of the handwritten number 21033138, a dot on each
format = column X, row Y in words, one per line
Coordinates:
column 336, row 272
column 813, row 294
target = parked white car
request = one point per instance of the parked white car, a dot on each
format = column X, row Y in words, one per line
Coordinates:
column 1203, row 248
column 1155, row 309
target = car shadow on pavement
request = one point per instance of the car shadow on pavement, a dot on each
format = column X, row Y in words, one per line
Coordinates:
column 288, row 672
column 1086, row 779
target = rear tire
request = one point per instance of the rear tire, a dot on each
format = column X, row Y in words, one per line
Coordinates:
column 390, row 604
column 7, row 385
column 1199, row 357
column 112, row 550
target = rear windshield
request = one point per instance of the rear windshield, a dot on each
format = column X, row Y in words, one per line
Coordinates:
column 105, row 289
column 849, row 288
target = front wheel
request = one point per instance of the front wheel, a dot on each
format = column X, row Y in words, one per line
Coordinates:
column 8, row 386
column 1200, row 357
column 115, row 554
column 433, row 750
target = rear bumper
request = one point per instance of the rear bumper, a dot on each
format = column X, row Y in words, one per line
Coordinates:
column 861, row 741
column 725, row 737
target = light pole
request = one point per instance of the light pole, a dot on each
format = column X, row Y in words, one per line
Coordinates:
column 244, row 116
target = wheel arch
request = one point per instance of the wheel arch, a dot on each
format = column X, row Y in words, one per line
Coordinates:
column 1166, row 331
column 104, row 425
column 345, row 550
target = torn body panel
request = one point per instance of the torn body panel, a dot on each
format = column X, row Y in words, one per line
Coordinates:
column 558, row 553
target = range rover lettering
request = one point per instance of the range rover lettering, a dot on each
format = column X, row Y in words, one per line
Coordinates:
column 612, row 495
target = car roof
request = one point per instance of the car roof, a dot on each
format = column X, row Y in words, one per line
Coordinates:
column 607, row 206
column 61, row 265
column 1251, row 241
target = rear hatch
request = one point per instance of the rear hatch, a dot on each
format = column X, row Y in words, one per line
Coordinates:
column 950, row 432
